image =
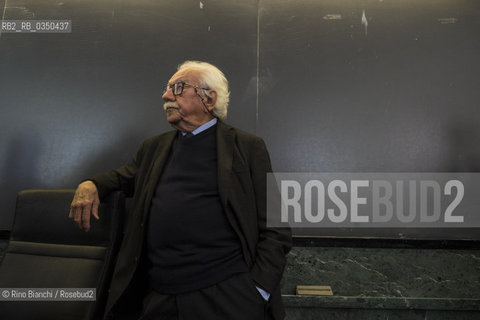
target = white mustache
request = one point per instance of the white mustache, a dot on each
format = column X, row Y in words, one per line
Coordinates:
column 170, row 105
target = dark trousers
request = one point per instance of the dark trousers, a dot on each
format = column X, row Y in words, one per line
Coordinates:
column 233, row 299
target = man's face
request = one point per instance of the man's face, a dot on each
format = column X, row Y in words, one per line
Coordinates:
column 186, row 112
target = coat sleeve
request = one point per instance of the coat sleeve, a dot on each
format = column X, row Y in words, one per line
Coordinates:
column 122, row 178
column 273, row 243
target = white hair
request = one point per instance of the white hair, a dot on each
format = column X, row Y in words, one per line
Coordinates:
column 212, row 78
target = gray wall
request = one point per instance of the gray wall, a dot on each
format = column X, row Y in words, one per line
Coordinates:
column 332, row 94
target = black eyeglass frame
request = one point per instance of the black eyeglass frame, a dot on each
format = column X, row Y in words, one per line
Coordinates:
column 179, row 86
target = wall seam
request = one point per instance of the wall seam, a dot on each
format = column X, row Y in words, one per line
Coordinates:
column 258, row 69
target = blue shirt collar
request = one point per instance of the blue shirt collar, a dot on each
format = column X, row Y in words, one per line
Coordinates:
column 203, row 127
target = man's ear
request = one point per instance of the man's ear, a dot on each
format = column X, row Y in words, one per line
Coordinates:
column 211, row 100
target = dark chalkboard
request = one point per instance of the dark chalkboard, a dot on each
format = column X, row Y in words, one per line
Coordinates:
column 343, row 86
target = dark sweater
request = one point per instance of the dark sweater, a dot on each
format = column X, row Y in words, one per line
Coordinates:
column 191, row 244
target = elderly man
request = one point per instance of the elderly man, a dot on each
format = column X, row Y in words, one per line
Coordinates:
column 196, row 245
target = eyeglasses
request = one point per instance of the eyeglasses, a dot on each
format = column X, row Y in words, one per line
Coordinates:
column 177, row 88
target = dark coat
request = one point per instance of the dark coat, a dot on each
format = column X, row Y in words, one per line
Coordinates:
column 243, row 162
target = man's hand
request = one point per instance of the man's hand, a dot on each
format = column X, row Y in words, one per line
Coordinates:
column 85, row 203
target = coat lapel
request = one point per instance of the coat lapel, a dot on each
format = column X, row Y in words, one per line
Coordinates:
column 225, row 143
column 159, row 159
column 225, row 153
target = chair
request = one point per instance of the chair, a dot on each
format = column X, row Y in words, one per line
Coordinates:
column 47, row 250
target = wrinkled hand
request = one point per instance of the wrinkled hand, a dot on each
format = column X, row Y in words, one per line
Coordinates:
column 85, row 203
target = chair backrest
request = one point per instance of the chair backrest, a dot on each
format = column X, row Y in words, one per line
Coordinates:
column 47, row 250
